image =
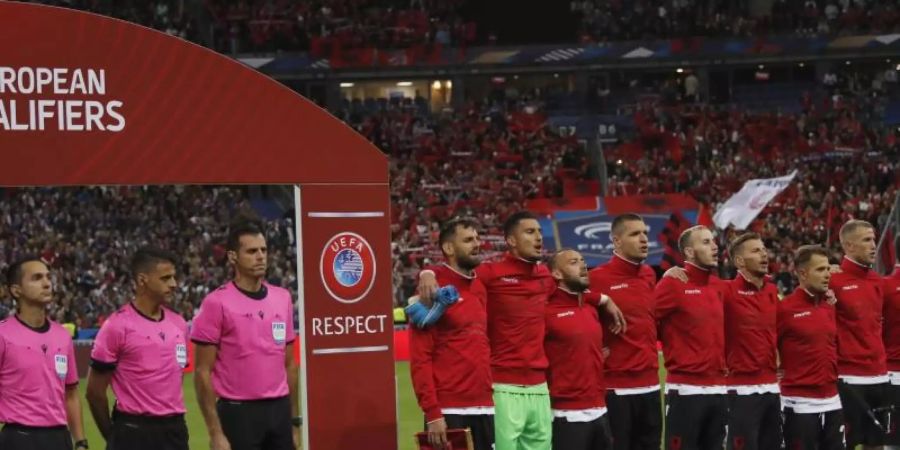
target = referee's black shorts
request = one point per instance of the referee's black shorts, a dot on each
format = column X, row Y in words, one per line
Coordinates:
column 863, row 405
column 754, row 422
column 22, row 437
column 132, row 432
column 635, row 420
column 257, row 424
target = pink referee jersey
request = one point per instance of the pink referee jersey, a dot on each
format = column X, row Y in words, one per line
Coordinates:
column 36, row 365
column 148, row 357
column 251, row 334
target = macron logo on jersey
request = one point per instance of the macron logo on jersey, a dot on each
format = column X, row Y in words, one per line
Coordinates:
column 803, row 314
column 746, row 292
column 509, row 280
column 850, row 287
column 565, row 314
column 692, row 292
column 618, row 286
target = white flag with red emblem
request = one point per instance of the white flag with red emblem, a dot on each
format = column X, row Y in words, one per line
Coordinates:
column 747, row 203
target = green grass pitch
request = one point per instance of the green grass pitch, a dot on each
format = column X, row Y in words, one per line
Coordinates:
column 410, row 415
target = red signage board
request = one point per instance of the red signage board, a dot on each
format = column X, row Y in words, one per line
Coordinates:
column 86, row 99
column 348, row 326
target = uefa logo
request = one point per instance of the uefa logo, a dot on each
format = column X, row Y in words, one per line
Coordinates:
column 347, row 267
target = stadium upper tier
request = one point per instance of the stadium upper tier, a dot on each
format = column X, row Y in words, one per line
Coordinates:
column 327, row 27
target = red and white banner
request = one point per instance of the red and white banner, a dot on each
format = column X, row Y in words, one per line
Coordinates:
column 744, row 206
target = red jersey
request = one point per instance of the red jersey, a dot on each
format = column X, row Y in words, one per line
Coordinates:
column 574, row 347
column 517, row 292
column 750, row 332
column 859, row 309
column 633, row 361
column 691, row 326
column 892, row 320
column 807, row 342
column 450, row 361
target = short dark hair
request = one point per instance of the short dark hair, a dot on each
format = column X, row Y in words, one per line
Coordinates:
column 448, row 228
column 685, row 239
column 620, row 220
column 739, row 241
column 242, row 227
column 853, row 225
column 14, row 272
column 805, row 253
column 146, row 259
column 551, row 262
column 509, row 226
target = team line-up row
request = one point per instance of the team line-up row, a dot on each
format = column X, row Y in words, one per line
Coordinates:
column 526, row 355
column 533, row 355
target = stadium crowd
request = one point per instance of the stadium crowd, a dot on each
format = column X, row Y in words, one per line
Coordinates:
column 315, row 26
column 169, row 16
column 318, row 26
column 88, row 234
column 604, row 20
column 324, row 26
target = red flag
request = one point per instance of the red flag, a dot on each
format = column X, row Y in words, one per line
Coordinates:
column 704, row 218
column 669, row 239
column 833, row 212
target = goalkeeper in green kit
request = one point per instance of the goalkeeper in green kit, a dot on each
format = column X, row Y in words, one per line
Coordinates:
column 518, row 286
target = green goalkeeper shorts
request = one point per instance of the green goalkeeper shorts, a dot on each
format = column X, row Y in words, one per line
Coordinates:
column 522, row 417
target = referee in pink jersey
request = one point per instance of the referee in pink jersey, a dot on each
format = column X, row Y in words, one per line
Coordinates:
column 142, row 351
column 246, row 378
column 39, row 402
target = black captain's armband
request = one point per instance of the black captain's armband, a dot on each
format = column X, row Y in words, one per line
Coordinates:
column 101, row 366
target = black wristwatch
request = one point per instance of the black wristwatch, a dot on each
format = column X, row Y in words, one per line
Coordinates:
column 297, row 421
column 81, row 444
